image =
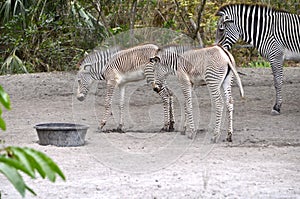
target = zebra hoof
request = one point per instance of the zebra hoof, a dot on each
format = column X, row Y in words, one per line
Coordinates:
column 81, row 98
column 182, row 132
column 164, row 129
column 99, row 130
column 214, row 139
column 119, row 129
column 171, row 129
column 191, row 135
column 102, row 124
column 275, row 112
column 276, row 109
column 229, row 136
column 229, row 139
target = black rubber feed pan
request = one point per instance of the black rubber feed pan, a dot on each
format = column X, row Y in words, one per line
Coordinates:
column 61, row 134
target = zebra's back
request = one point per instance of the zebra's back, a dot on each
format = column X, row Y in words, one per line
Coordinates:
column 131, row 59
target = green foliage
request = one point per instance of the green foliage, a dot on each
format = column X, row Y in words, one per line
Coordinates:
column 14, row 160
column 38, row 36
column 259, row 63
column 5, row 102
column 13, row 64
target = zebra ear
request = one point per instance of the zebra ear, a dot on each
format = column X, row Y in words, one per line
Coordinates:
column 219, row 14
column 227, row 19
column 154, row 59
column 87, row 67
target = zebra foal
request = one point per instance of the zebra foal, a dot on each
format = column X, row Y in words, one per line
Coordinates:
column 92, row 67
column 213, row 64
column 275, row 34
column 119, row 67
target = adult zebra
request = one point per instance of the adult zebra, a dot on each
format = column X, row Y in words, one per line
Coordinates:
column 275, row 34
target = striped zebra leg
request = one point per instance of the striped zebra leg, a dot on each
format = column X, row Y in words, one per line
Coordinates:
column 159, row 85
column 121, row 107
column 166, row 96
column 171, row 111
column 187, row 92
column 108, row 101
column 277, row 69
column 215, row 93
column 229, row 104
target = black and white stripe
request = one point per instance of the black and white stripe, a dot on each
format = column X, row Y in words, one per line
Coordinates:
column 275, row 34
column 118, row 68
column 213, row 64
column 92, row 67
column 156, row 76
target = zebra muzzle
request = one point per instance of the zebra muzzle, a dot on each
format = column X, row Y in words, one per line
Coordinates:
column 80, row 97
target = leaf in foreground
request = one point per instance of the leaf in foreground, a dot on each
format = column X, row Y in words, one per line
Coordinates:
column 28, row 161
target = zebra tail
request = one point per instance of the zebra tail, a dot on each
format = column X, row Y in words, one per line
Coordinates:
column 232, row 66
column 239, row 82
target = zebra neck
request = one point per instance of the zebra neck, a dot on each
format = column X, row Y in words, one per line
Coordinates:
column 255, row 24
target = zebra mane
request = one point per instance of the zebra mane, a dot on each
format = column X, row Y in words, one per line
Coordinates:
column 98, row 53
column 134, row 49
column 225, row 7
column 176, row 48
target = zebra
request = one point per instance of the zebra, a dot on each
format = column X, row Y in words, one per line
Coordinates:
column 117, row 68
column 275, row 34
column 213, row 64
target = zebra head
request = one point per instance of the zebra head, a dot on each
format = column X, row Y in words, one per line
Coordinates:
column 153, row 74
column 227, row 31
column 84, row 79
column 92, row 67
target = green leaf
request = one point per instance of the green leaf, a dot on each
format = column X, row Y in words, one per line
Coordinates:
column 30, row 190
column 19, row 63
column 21, row 156
column 2, row 124
column 4, row 98
column 13, row 163
column 14, row 177
column 47, row 167
column 28, row 161
column 34, row 163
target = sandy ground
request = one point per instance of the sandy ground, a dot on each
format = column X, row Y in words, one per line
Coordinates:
column 263, row 161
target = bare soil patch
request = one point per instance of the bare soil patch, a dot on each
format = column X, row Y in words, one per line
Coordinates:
column 263, row 161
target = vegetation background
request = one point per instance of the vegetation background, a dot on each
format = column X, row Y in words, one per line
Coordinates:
column 53, row 35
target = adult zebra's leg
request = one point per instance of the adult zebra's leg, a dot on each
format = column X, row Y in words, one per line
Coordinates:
column 121, row 108
column 108, row 101
column 277, row 69
column 229, row 104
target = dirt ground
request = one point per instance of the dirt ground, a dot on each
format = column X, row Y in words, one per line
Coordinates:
column 263, row 161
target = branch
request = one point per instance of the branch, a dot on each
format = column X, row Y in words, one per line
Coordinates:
column 197, row 33
column 197, row 26
column 181, row 16
column 97, row 6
